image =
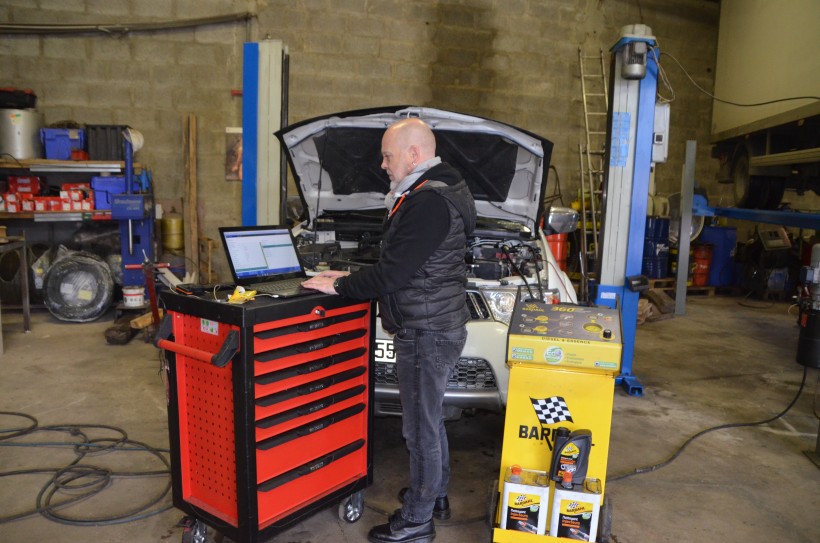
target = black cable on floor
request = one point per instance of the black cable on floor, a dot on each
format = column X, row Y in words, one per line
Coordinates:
column 814, row 402
column 78, row 481
column 649, row 469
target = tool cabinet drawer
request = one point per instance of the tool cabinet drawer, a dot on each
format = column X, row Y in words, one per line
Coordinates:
column 293, row 490
column 286, row 451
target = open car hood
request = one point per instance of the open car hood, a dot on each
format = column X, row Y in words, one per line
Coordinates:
column 336, row 161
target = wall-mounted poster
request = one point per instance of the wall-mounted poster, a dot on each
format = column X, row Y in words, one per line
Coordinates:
column 233, row 153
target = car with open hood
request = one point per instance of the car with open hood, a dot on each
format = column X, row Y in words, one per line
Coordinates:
column 335, row 160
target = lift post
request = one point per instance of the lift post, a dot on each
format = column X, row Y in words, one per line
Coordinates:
column 632, row 141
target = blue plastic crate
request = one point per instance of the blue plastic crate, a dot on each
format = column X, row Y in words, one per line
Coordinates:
column 59, row 142
column 105, row 187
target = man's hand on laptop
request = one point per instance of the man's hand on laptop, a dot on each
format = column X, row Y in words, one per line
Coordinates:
column 324, row 281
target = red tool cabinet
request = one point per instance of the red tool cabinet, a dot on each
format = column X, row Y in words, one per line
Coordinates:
column 269, row 410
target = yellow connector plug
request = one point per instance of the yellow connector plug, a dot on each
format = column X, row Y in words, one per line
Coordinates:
column 240, row 296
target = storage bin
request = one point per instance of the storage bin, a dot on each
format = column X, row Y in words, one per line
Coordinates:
column 105, row 141
column 59, row 142
column 105, row 187
column 12, row 98
column 724, row 240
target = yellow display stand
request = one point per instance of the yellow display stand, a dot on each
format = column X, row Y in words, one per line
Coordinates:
column 563, row 362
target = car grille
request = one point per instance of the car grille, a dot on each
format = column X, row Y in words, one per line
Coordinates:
column 386, row 373
column 469, row 374
column 472, row 374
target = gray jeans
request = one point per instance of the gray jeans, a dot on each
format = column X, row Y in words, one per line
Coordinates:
column 425, row 361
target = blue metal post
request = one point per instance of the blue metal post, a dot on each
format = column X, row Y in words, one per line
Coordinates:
column 250, row 125
column 612, row 295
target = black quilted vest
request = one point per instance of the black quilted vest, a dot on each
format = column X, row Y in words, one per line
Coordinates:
column 434, row 299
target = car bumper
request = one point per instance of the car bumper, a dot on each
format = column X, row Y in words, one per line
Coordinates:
column 387, row 401
column 479, row 381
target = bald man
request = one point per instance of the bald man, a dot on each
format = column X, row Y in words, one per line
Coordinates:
column 420, row 281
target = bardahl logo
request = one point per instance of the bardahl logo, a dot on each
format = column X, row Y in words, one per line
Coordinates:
column 550, row 410
column 575, row 507
column 522, row 499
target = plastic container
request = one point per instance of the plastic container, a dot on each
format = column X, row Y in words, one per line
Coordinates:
column 525, row 500
column 59, row 142
column 13, row 98
column 105, row 187
column 575, row 512
column 724, row 240
column 133, row 296
column 105, row 141
column 559, row 245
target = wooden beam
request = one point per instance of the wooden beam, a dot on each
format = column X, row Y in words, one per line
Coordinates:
column 191, row 224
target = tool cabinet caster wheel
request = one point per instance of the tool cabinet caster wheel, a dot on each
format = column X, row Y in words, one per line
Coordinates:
column 194, row 531
column 351, row 509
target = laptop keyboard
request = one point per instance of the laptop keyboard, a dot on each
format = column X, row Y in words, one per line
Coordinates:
column 279, row 286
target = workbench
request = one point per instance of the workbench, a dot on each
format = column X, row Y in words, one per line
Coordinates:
column 19, row 244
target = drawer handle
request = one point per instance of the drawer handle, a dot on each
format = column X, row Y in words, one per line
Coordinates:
column 219, row 359
column 310, row 326
column 310, row 388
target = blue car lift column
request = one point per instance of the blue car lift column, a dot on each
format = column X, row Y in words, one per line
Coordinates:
column 264, row 111
column 633, row 84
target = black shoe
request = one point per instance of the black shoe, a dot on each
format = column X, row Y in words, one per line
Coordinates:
column 398, row 530
column 441, row 510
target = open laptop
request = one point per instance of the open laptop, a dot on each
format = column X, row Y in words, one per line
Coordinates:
column 264, row 259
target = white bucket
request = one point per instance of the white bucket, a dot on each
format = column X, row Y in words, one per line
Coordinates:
column 133, row 296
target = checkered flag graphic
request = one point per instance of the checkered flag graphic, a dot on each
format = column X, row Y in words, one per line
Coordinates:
column 551, row 410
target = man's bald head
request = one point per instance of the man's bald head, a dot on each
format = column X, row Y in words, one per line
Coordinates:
column 414, row 132
column 405, row 144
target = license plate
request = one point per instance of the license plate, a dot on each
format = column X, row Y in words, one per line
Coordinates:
column 384, row 351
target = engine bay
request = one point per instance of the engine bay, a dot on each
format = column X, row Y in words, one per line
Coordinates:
column 485, row 258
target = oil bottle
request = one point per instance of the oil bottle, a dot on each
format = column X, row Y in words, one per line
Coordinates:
column 570, row 456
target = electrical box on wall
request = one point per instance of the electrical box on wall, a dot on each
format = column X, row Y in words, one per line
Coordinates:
column 660, row 134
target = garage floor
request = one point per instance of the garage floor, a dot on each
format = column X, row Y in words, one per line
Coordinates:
column 728, row 360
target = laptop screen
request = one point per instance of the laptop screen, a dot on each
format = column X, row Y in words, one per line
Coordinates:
column 259, row 254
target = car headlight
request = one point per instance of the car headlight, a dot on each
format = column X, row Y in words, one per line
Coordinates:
column 501, row 302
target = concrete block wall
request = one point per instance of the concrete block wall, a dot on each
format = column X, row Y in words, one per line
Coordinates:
column 512, row 60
